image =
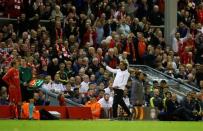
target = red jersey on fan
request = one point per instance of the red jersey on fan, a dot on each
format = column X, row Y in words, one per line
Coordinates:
column 186, row 58
column 13, row 80
column 14, row 8
column 190, row 43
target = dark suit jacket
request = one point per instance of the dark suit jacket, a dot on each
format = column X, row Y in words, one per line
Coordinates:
column 137, row 93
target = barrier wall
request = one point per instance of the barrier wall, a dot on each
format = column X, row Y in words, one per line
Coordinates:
column 66, row 112
column 6, row 112
column 79, row 113
column 83, row 113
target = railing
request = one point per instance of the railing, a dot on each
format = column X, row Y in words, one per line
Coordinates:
column 12, row 19
column 5, row 20
column 53, row 98
column 175, row 85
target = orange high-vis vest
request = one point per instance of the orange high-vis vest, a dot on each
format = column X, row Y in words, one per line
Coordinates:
column 25, row 112
column 95, row 108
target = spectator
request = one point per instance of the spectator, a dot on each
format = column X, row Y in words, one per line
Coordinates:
column 156, row 17
column 56, row 12
column 181, row 74
column 106, row 104
column 47, row 83
column 123, row 57
column 156, row 101
column 38, row 101
column 110, row 59
column 130, row 48
column 3, row 96
column 188, row 107
column 14, row 8
column 201, row 84
column 94, row 67
column 126, row 98
column 95, row 107
column 142, row 9
column 199, row 47
column 200, row 13
column 163, row 87
column 69, row 69
column 57, row 86
column 53, row 67
column 109, row 90
column 85, row 84
column 63, row 75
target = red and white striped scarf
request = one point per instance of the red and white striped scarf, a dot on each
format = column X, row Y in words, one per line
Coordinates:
column 59, row 46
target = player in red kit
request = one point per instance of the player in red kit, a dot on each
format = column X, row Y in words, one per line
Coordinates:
column 13, row 81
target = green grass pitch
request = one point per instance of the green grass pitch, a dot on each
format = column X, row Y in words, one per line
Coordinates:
column 98, row 125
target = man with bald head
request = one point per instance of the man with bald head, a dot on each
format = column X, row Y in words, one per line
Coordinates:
column 156, row 18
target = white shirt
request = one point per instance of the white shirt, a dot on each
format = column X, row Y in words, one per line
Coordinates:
column 127, row 101
column 47, row 86
column 106, row 104
column 121, row 78
column 125, row 29
column 51, row 86
column 110, row 92
column 58, row 87
column 175, row 44
column 84, row 87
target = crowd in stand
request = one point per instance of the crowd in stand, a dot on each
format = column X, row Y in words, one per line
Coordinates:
column 80, row 35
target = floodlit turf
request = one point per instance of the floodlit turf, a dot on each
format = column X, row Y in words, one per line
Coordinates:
column 99, row 125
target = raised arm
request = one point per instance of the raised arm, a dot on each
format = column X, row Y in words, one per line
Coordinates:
column 111, row 69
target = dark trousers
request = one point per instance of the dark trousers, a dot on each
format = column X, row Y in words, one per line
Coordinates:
column 26, row 94
column 118, row 99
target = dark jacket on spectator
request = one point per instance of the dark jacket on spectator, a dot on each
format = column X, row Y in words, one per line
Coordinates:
column 171, row 106
column 156, row 18
column 112, row 62
column 137, row 93
column 52, row 69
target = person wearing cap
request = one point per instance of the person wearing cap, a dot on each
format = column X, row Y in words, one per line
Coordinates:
column 120, row 81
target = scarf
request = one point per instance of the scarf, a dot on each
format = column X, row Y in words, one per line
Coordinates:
column 59, row 46
column 130, row 47
column 141, row 48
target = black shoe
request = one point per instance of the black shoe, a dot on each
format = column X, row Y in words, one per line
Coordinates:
column 130, row 117
column 114, row 119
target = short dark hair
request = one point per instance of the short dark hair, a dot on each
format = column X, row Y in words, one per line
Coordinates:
column 154, row 82
column 124, row 63
column 168, row 92
column 13, row 63
column 163, row 82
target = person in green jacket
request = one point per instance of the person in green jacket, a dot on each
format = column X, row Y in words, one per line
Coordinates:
column 25, row 77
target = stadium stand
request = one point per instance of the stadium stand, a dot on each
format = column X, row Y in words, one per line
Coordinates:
column 61, row 47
